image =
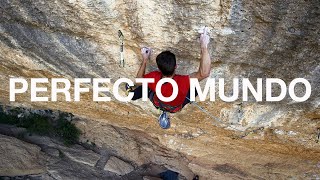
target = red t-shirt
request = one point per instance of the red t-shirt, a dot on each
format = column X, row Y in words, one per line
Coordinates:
column 183, row 82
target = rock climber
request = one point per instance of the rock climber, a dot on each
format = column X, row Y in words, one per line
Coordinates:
column 166, row 62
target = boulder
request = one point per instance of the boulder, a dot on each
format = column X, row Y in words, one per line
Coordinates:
column 83, row 156
column 19, row 158
column 118, row 166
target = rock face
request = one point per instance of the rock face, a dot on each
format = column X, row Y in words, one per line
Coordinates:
column 81, row 155
column 250, row 39
column 19, row 158
column 47, row 158
column 118, row 166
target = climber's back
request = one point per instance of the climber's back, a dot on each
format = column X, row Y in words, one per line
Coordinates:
column 166, row 62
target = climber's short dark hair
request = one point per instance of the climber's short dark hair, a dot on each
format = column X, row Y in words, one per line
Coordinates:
column 166, row 62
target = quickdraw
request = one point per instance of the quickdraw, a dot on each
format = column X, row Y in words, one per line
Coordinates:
column 121, row 39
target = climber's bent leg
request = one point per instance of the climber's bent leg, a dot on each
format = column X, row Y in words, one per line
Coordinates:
column 138, row 93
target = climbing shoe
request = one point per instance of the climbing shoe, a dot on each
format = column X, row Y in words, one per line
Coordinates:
column 128, row 88
column 164, row 120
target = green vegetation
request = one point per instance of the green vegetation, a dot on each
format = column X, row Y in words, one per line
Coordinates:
column 67, row 131
column 37, row 124
column 8, row 119
column 43, row 125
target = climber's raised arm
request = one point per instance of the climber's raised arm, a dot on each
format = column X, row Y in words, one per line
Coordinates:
column 145, row 52
column 205, row 61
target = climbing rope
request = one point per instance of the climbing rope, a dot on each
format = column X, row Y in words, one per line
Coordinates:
column 318, row 136
column 212, row 116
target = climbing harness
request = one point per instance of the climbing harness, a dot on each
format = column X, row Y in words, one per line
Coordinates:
column 212, row 116
column 162, row 106
column 121, row 39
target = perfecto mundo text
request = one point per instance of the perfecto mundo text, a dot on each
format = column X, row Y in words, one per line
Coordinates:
column 99, row 87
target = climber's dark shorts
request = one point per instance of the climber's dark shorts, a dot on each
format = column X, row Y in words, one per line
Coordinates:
column 138, row 95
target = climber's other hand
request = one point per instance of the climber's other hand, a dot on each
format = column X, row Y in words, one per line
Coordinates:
column 204, row 37
column 146, row 52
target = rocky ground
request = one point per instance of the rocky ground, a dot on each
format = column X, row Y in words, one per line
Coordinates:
column 108, row 152
column 36, row 157
column 29, row 155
